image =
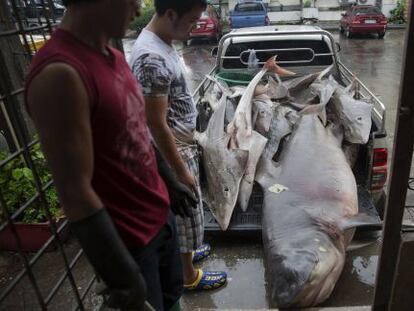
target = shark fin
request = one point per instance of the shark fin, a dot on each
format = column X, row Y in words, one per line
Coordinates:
column 361, row 220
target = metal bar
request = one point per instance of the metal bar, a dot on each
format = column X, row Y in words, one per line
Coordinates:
column 306, row 61
column 31, row 263
column 17, row 92
column 197, row 90
column 381, row 114
column 20, row 25
column 63, row 278
column 16, row 154
column 9, row 125
column 20, row 129
column 277, row 33
column 87, row 289
column 24, row 31
column 49, row 25
column 400, row 171
column 27, row 266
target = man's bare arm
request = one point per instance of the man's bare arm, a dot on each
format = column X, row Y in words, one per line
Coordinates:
column 59, row 105
column 156, row 112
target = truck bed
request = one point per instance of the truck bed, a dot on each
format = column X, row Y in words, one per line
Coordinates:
column 251, row 220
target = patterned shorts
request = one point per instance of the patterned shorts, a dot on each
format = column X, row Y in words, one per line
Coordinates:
column 191, row 229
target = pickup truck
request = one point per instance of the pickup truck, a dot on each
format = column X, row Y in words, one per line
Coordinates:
column 248, row 14
column 304, row 50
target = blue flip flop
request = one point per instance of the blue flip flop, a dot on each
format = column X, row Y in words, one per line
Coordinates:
column 207, row 280
column 202, row 252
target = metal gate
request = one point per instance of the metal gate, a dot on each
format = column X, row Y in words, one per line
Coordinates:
column 54, row 274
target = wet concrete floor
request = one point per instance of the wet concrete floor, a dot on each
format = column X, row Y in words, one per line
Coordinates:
column 375, row 62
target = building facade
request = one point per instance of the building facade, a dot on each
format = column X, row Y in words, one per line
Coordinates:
column 290, row 11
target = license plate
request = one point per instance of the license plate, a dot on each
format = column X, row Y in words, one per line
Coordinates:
column 370, row 21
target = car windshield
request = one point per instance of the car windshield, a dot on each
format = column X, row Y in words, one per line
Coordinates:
column 367, row 11
column 249, row 7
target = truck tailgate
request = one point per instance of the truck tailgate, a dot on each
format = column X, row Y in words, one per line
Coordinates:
column 252, row 218
column 251, row 19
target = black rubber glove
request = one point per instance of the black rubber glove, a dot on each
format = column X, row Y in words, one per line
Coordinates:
column 112, row 261
column 182, row 199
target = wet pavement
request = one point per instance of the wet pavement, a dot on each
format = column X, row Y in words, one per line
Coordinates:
column 378, row 64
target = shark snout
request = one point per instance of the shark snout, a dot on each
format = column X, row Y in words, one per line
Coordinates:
column 291, row 274
column 307, row 277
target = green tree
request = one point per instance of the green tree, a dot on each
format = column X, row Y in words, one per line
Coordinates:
column 397, row 15
column 18, row 187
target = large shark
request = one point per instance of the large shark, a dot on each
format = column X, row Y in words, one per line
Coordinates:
column 242, row 134
column 223, row 167
column 309, row 214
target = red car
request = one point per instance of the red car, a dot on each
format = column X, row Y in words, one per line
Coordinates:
column 208, row 26
column 364, row 19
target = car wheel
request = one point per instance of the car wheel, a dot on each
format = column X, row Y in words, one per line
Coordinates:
column 348, row 33
column 381, row 35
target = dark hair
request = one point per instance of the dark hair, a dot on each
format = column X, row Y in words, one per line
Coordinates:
column 180, row 6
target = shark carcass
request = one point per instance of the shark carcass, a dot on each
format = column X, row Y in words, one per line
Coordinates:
column 287, row 136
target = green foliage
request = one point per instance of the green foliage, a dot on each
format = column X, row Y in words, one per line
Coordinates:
column 147, row 11
column 397, row 15
column 18, row 187
column 307, row 3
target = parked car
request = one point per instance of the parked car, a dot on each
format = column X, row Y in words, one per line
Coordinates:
column 249, row 14
column 363, row 19
column 208, row 26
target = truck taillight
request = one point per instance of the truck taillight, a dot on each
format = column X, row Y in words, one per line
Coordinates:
column 380, row 157
column 379, row 169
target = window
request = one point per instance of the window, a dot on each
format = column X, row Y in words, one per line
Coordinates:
column 367, row 11
column 249, row 7
column 318, row 46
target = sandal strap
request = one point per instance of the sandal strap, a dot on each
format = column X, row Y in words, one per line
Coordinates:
column 197, row 280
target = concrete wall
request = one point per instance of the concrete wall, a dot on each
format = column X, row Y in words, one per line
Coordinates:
column 327, row 3
column 386, row 8
column 288, row 16
column 330, row 15
column 324, row 15
column 284, row 2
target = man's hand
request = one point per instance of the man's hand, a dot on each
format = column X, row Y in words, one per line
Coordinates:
column 182, row 199
column 190, row 181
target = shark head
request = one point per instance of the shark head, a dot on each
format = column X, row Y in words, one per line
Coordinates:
column 306, row 273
